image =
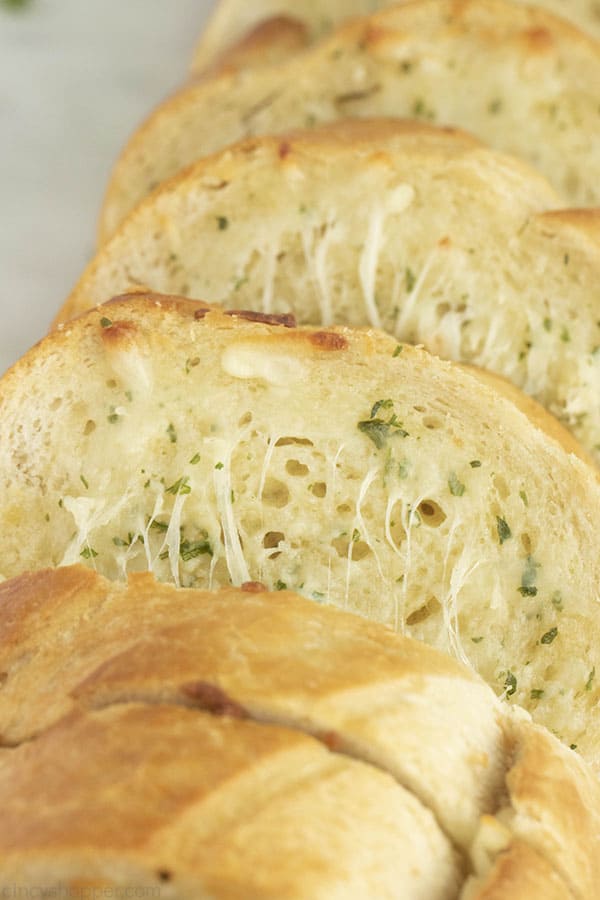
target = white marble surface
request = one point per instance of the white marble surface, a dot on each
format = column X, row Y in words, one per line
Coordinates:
column 76, row 76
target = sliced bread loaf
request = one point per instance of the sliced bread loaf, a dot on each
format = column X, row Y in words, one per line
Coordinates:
column 155, row 433
column 249, row 744
column 399, row 225
column 515, row 76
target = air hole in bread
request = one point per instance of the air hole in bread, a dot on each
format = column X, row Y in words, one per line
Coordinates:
column 273, row 539
column 89, row 427
column 286, row 441
column 245, row 420
column 295, row 467
column 56, row 403
column 344, row 508
column 431, row 513
column 275, row 493
column 432, row 422
column 344, row 546
column 431, row 608
column 319, row 489
column 442, row 309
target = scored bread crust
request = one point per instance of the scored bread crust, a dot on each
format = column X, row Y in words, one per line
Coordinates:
column 519, row 78
column 160, row 433
column 232, row 20
column 418, row 230
column 295, row 751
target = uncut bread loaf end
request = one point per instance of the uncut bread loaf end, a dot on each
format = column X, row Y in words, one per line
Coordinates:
column 234, row 20
column 280, row 749
column 418, row 230
column 518, row 78
column 157, row 433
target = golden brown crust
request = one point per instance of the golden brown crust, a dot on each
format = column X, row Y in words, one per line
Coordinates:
column 270, row 41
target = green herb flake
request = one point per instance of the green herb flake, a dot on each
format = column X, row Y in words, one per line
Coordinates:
column 88, row 553
column 477, row 640
column 456, row 486
column 84, row 482
column 564, row 335
column 398, row 350
column 191, row 363
column 180, row 486
column 572, row 746
column 475, row 464
column 239, row 282
column 523, row 497
column 16, row 5
column 222, row 222
column 528, row 579
column 379, row 430
column 105, row 322
column 566, row 259
column 191, row 549
column 510, row 684
column 355, row 536
column 159, row 526
column 172, row 433
column 536, row 694
column 113, row 415
column 504, row 532
column 119, row 542
column 280, row 585
column 195, row 459
column 219, row 466
column 549, row 636
column 495, row 106
column 590, row 681
column 409, row 279
column 548, row 324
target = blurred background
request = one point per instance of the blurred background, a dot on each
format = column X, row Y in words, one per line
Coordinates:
column 76, row 77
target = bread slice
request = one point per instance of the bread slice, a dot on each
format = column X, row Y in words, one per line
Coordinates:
column 399, row 225
column 280, row 749
column 515, row 76
column 155, row 433
column 232, row 21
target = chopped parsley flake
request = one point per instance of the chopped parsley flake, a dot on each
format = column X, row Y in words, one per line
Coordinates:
column 172, row 433
column 477, row 640
column 409, row 279
column 589, row 682
column 355, row 536
column 564, row 335
column 222, row 222
column 504, row 532
column 510, row 684
column 180, row 486
column 523, row 497
column 548, row 324
column 494, row 106
column 398, row 350
column 379, row 430
column 195, row 459
column 105, row 322
column 280, row 585
column 456, row 486
column 84, row 481
column 528, row 579
column 475, row 464
column 219, row 465
column 191, row 549
column 549, row 636
column 88, row 553
column 536, row 694
column 191, row 363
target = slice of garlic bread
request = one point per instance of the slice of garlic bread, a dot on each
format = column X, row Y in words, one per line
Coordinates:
column 517, row 77
column 232, row 21
column 156, row 433
column 418, row 230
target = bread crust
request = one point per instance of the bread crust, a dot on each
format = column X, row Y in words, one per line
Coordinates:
column 375, row 66
column 249, row 798
column 231, row 19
